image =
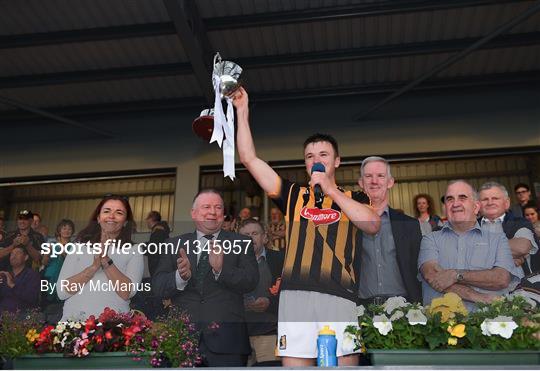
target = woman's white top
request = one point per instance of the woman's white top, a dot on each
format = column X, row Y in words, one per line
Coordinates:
column 99, row 292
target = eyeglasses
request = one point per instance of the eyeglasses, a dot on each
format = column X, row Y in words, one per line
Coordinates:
column 521, row 192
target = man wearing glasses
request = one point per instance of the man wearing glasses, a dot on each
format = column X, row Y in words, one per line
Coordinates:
column 25, row 237
column 523, row 195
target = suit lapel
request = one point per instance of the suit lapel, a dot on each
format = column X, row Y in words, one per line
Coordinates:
column 398, row 234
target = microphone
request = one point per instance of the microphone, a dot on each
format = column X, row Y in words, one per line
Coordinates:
column 317, row 188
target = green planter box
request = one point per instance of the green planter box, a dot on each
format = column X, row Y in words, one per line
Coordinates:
column 455, row 357
column 95, row 361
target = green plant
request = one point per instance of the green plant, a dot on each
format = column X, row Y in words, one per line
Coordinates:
column 510, row 323
column 14, row 329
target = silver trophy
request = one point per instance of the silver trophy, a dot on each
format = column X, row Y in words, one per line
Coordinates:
column 228, row 73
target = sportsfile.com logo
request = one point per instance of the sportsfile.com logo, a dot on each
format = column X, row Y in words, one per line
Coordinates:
column 320, row 216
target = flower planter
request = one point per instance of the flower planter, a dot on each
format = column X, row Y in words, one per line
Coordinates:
column 453, row 357
column 95, row 361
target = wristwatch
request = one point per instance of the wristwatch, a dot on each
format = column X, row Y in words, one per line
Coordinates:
column 459, row 275
column 109, row 262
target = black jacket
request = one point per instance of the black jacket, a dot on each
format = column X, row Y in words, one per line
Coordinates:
column 219, row 301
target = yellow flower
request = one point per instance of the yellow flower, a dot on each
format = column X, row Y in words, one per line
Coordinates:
column 448, row 305
column 457, row 331
column 452, row 341
column 32, row 335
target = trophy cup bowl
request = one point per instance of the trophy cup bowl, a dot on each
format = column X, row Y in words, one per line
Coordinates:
column 229, row 74
column 203, row 126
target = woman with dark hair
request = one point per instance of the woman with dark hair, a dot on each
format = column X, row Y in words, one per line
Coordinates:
column 52, row 265
column 423, row 210
column 530, row 212
column 105, row 268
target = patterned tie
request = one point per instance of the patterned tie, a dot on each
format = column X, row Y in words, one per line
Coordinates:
column 203, row 266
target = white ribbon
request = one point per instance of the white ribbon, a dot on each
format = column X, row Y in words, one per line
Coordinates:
column 224, row 125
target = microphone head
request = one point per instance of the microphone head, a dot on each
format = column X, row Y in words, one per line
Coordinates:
column 318, row 167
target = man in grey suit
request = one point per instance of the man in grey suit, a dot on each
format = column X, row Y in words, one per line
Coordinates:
column 208, row 278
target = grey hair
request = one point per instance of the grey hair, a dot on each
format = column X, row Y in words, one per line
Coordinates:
column 489, row 185
column 473, row 190
column 369, row 159
column 206, row 191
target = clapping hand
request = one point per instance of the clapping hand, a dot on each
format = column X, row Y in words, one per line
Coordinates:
column 183, row 265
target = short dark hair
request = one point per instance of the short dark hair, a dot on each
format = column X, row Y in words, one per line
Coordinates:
column 521, row 185
column 318, row 137
column 62, row 223
column 252, row 221
column 154, row 215
column 530, row 205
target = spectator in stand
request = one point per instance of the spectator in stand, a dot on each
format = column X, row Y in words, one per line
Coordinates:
column 52, row 265
column 424, row 212
column 531, row 214
column 244, row 214
column 159, row 233
column 118, row 270
column 19, row 286
column 276, row 230
column 228, row 223
column 24, row 236
column 38, row 227
column 496, row 218
column 260, row 304
column 464, row 258
column 2, row 230
column 523, row 195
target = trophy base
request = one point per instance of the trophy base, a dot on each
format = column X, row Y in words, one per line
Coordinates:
column 203, row 127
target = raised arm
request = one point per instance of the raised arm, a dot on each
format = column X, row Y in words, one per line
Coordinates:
column 265, row 176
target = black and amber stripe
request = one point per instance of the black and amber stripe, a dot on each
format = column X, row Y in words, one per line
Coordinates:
column 318, row 258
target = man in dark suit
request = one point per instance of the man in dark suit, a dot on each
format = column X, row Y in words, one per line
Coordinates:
column 208, row 278
column 496, row 218
column 388, row 259
column 261, row 304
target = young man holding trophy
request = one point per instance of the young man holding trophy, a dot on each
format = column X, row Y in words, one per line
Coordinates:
column 319, row 281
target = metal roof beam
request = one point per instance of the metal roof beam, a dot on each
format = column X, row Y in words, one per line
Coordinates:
column 369, row 9
column 528, row 78
column 173, row 69
column 507, row 26
column 90, row 34
column 53, row 116
column 184, row 14
column 77, row 77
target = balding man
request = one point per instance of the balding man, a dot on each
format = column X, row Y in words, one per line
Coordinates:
column 464, row 258
column 208, row 277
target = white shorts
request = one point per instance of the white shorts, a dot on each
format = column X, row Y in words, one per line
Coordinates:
column 302, row 314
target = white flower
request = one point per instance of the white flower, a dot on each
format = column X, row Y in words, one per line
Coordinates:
column 393, row 303
column 503, row 326
column 383, row 324
column 347, row 346
column 60, row 327
column 360, row 310
column 416, row 317
column 397, row 315
column 484, row 327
